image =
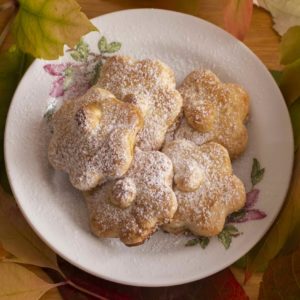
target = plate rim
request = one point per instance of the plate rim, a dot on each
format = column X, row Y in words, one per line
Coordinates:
column 131, row 282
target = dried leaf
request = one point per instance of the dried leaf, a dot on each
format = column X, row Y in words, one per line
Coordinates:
column 18, row 283
column 290, row 46
column 237, row 17
column 290, row 82
column 286, row 228
column 295, row 118
column 43, row 27
column 19, row 239
column 281, row 280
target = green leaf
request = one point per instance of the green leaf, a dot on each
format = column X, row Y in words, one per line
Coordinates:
column 113, row 47
column 43, row 27
column 237, row 215
column 203, row 241
column 102, row 44
column 192, row 242
column 257, row 173
column 13, row 65
column 290, row 82
column 225, row 238
column 290, row 46
column 276, row 75
column 18, row 283
column 294, row 110
column 285, row 230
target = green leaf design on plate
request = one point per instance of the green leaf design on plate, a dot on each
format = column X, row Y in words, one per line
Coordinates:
column 203, row 241
column 81, row 51
column 192, row 242
column 43, row 27
column 102, row 44
column 113, row 47
column 257, row 173
column 106, row 47
column 225, row 236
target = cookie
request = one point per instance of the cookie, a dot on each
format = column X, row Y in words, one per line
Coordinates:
column 93, row 138
column 205, row 187
column 131, row 208
column 150, row 85
column 213, row 111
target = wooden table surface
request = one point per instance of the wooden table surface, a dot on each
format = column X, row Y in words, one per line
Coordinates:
column 261, row 39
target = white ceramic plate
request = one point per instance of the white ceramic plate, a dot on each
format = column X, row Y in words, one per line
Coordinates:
column 57, row 212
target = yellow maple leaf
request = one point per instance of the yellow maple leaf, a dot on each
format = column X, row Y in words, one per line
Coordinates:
column 43, row 27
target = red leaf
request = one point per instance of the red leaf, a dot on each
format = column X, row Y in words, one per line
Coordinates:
column 282, row 277
column 237, row 17
column 220, row 286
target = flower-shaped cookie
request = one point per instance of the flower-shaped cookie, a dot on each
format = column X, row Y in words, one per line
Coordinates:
column 132, row 207
column 149, row 84
column 214, row 111
column 93, row 138
column 205, row 187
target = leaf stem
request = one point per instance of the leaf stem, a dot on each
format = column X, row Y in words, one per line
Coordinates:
column 5, row 31
column 83, row 290
column 79, row 288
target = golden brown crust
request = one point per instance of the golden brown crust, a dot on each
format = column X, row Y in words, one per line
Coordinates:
column 150, row 85
column 214, row 111
column 93, row 138
column 203, row 210
column 133, row 206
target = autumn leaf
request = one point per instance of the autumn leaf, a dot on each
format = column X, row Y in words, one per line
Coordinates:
column 290, row 46
column 282, row 278
column 43, row 27
column 13, row 64
column 290, row 82
column 18, row 283
column 19, row 239
column 283, row 230
column 237, row 17
column 294, row 110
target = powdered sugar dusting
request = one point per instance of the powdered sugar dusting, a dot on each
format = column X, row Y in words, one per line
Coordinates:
column 154, row 202
column 93, row 138
column 150, row 85
column 203, row 211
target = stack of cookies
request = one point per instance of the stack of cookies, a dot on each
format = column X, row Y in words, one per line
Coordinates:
column 146, row 155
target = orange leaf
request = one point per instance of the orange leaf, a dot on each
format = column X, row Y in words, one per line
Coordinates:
column 19, row 239
column 237, row 17
column 281, row 280
column 18, row 283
